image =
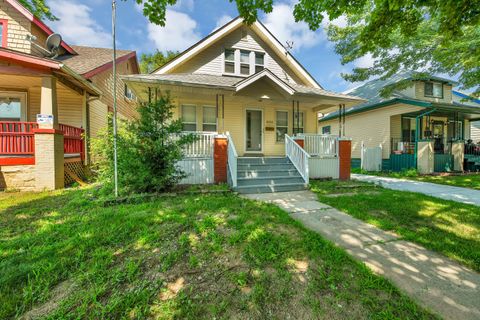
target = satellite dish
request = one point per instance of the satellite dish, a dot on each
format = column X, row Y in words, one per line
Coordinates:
column 53, row 42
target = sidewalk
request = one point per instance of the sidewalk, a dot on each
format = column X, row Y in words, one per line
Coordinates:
column 439, row 284
column 462, row 195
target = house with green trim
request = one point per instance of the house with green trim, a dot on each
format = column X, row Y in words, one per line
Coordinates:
column 426, row 109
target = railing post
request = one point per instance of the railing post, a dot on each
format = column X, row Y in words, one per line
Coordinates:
column 220, row 158
column 344, row 158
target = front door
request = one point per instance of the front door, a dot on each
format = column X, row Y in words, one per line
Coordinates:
column 438, row 134
column 253, row 135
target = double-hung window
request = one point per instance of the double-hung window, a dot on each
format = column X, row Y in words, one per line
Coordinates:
column 327, row 130
column 13, row 106
column 229, row 61
column 434, row 89
column 209, row 119
column 298, row 123
column 281, row 125
column 244, row 62
column 259, row 61
column 189, row 117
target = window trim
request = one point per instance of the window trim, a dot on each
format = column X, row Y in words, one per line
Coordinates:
column 433, row 90
column 237, row 62
column 195, row 122
column 209, row 123
column 230, row 61
column 23, row 102
column 4, row 23
column 248, row 64
column 277, row 126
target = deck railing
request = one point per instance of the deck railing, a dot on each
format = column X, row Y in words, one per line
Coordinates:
column 202, row 147
column 73, row 140
column 232, row 160
column 17, row 138
column 320, row 145
column 298, row 156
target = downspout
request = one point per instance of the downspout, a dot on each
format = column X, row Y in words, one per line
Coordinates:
column 417, row 132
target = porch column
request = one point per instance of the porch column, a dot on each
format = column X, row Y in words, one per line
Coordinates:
column 344, row 158
column 425, row 157
column 49, row 157
column 300, row 141
column 220, row 159
column 458, row 153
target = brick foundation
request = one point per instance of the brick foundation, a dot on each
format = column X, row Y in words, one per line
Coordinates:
column 220, row 158
column 345, row 158
column 300, row 142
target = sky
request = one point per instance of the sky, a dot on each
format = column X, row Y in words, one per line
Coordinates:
column 88, row 22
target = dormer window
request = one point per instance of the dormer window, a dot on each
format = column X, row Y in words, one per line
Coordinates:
column 434, row 89
column 243, row 62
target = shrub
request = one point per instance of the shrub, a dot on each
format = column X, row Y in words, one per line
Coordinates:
column 148, row 149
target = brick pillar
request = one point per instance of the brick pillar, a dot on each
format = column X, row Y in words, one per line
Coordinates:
column 220, row 157
column 345, row 158
column 49, row 159
column 300, row 142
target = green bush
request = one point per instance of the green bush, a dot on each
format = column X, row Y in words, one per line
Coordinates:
column 148, row 149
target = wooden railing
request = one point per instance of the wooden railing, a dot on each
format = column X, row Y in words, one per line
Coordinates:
column 232, row 160
column 298, row 156
column 202, row 147
column 73, row 140
column 320, row 145
column 17, row 138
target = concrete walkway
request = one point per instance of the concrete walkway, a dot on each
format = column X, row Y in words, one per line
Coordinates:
column 463, row 195
column 434, row 281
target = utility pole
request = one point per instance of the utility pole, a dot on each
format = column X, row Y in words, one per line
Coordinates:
column 115, row 168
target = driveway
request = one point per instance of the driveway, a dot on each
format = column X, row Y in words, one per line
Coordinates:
column 463, row 195
column 441, row 285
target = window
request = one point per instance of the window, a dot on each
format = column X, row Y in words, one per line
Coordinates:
column 327, row 130
column 282, row 125
column 129, row 93
column 298, row 126
column 4, row 32
column 408, row 129
column 244, row 62
column 259, row 61
column 434, row 89
column 229, row 61
column 189, row 117
column 209, row 119
column 12, row 106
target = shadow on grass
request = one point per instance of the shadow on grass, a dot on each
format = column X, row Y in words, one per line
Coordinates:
column 190, row 256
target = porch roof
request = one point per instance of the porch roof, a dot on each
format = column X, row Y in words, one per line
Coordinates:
column 43, row 66
column 236, row 84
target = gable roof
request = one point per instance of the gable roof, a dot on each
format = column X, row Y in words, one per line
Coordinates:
column 260, row 30
column 90, row 60
column 371, row 91
column 227, row 83
column 31, row 17
column 265, row 73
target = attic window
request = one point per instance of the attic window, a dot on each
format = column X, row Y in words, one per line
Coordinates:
column 434, row 89
column 229, row 61
column 243, row 62
column 259, row 61
column 4, row 32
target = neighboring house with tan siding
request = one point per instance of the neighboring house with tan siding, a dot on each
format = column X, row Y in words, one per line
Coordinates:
column 242, row 81
column 427, row 109
column 71, row 90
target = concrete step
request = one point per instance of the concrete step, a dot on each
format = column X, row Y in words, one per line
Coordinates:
column 262, row 160
column 267, row 173
column 271, row 188
column 269, row 181
column 271, row 166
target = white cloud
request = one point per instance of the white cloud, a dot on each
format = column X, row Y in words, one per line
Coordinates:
column 282, row 24
column 180, row 32
column 366, row 61
column 187, row 5
column 76, row 24
column 223, row 21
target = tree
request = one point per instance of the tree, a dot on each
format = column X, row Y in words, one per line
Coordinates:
column 39, row 8
column 148, row 147
column 151, row 61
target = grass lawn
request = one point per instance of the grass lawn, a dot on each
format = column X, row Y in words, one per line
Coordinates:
column 471, row 181
column 63, row 256
column 448, row 227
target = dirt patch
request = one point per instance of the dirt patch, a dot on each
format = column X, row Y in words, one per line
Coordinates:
column 59, row 293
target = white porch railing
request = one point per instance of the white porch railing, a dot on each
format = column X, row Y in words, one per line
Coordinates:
column 201, row 148
column 298, row 156
column 320, row 145
column 232, row 160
